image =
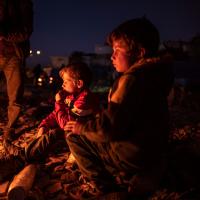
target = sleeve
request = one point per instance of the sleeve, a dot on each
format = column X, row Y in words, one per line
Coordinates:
column 62, row 114
column 84, row 105
column 104, row 127
column 49, row 122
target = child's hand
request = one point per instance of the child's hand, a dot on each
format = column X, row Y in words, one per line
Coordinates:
column 61, row 95
column 58, row 97
column 73, row 126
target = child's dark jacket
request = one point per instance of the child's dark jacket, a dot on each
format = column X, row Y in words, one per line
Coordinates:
column 136, row 123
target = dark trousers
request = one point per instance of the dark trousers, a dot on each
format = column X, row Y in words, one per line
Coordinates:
column 13, row 68
column 101, row 162
column 39, row 148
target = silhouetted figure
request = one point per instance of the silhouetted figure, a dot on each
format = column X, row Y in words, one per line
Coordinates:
column 74, row 102
column 130, row 137
column 16, row 26
column 37, row 70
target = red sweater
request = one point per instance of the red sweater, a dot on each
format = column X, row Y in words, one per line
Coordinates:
column 80, row 107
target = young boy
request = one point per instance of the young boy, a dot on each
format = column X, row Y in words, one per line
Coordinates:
column 74, row 102
column 130, row 137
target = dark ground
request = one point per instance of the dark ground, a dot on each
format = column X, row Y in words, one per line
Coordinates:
column 183, row 173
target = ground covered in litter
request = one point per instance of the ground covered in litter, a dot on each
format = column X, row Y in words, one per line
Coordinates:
column 183, row 174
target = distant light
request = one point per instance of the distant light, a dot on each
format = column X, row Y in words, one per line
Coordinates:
column 38, row 52
column 31, row 51
column 50, row 80
column 39, row 79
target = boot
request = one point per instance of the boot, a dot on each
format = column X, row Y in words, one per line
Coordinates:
column 13, row 150
column 9, row 134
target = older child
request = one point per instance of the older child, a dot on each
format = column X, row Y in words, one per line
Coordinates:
column 130, row 137
column 74, row 102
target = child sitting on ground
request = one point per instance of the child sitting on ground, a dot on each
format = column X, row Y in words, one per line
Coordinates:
column 130, row 138
column 74, row 102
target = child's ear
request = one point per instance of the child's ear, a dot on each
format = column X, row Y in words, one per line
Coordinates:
column 80, row 83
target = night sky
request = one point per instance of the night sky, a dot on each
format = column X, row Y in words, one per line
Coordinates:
column 64, row 26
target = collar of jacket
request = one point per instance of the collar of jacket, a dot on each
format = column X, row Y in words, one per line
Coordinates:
column 147, row 62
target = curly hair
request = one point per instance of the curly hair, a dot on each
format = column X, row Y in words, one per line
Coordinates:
column 78, row 71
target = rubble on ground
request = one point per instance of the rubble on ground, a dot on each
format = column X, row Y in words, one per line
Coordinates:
column 181, row 182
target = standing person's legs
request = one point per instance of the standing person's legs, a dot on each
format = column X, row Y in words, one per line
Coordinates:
column 14, row 72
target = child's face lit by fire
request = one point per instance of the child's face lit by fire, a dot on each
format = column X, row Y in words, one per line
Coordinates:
column 120, row 58
column 69, row 84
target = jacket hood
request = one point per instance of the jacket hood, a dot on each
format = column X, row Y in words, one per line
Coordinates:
column 151, row 62
column 157, row 70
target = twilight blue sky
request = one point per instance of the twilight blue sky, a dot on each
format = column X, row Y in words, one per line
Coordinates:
column 64, row 26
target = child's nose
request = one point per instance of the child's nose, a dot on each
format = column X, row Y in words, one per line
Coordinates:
column 112, row 56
